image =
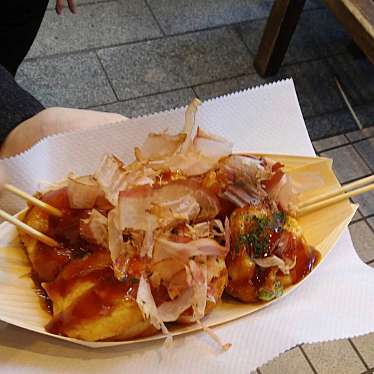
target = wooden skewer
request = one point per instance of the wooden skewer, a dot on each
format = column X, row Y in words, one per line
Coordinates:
column 21, row 225
column 349, row 106
column 33, row 200
column 333, row 200
column 309, row 206
column 28, row 229
column 345, row 188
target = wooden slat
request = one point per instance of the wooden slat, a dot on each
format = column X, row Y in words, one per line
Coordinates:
column 277, row 35
column 357, row 17
column 363, row 11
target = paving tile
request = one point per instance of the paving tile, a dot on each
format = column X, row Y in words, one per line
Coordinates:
column 329, row 124
column 175, row 62
column 365, row 345
column 314, row 4
column 363, row 240
column 317, row 34
column 356, row 76
column 371, row 222
column 150, row 104
column 71, row 81
column 186, row 15
column 95, row 25
column 361, row 134
column 347, row 163
column 366, row 115
column 326, row 36
column 315, row 86
column 335, row 141
column 227, row 86
column 366, row 202
column 366, row 150
column 334, row 357
column 290, row 362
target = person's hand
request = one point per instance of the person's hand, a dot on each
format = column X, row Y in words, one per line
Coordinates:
column 60, row 4
column 53, row 121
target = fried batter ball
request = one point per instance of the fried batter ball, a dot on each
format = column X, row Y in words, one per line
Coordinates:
column 268, row 253
column 88, row 302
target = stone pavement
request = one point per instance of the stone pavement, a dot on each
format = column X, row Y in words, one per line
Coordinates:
column 142, row 56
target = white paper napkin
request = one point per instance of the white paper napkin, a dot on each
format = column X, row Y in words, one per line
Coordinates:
column 335, row 302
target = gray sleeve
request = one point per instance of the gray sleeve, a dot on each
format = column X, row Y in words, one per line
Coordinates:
column 16, row 104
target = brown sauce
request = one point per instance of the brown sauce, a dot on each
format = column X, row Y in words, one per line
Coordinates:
column 160, row 294
column 75, row 262
column 44, row 301
column 247, row 289
column 258, row 237
column 306, row 257
column 48, row 262
column 99, row 301
column 88, row 269
column 305, row 263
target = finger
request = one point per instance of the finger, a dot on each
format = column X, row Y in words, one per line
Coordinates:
column 58, row 120
column 59, row 5
column 72, row 6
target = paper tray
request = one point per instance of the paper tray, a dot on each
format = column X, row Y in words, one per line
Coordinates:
column 20, row 306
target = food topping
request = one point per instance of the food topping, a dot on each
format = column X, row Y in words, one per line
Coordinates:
column 160, row 239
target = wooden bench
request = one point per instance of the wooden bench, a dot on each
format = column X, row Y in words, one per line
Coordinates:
column 356, row 16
